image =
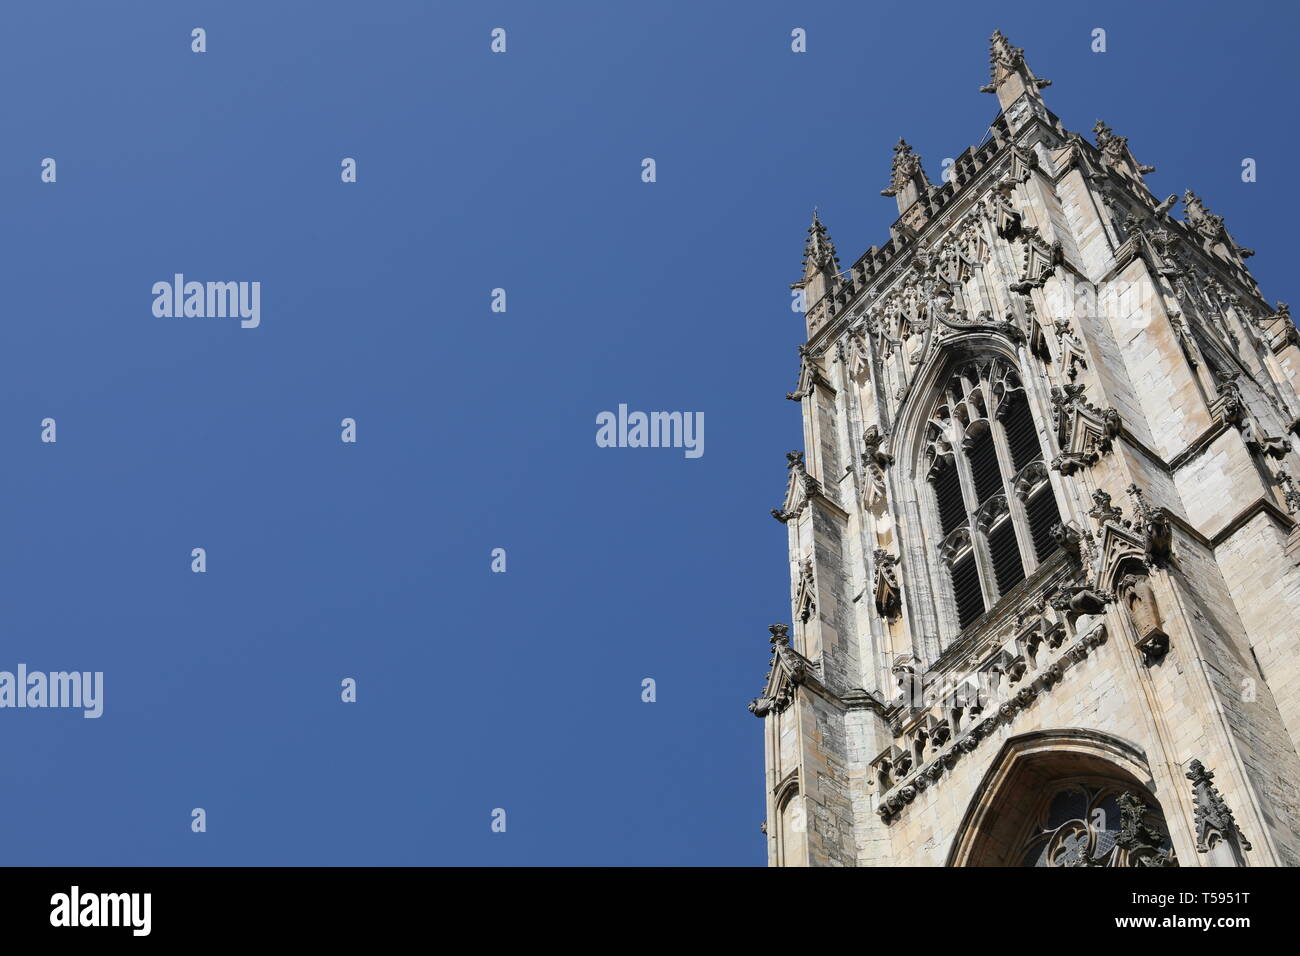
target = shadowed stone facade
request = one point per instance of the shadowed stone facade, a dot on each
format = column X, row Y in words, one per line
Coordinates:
column 1044, row 557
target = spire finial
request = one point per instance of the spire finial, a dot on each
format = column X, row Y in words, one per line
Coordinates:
column 1007, row 63
column 905, row 167
column 818, row 250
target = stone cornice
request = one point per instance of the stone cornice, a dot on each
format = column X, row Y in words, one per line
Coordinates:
column 1260, row 505
column 1197, row 447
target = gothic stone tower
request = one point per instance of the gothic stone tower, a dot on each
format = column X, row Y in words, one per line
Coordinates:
column 1043, row 540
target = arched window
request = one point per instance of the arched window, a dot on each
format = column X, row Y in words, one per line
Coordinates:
column 1095, row 822
column 994, row 505
column 1064, row 798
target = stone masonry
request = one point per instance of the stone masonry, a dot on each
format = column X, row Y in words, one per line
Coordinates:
column 1137, row 642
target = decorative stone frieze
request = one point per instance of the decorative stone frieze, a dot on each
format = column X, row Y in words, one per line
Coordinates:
column 1021, row 682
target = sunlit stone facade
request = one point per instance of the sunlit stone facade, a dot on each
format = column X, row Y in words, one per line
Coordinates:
column 1044, row 557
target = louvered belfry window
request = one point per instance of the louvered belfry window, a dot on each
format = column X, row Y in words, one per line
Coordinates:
column 994, row 504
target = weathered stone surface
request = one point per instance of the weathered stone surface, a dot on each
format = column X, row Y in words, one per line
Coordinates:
column 1047, row 395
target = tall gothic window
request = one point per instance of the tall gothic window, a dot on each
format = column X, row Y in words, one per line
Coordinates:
column 993, row 502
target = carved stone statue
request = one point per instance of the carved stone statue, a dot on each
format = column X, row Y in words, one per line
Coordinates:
column 1139, row 600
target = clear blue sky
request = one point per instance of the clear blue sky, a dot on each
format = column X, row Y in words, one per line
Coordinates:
column 476, row 430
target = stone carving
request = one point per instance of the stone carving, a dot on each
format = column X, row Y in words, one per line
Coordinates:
column 1073, row 356
column 875, row 459
column 1102, row 510
column 1084, row 432
column 1139, row 600
column 955, row 320
column 788, row 666
column 1080, row 834
column 895, row 770
column 905, row 676
column 1214, row 821
column 818, row 251
column 1070, row 541
column 873, row 438
column 1186, row 340
column 1006, row 219
column 1155, row 527
column 1214, row 234
column 1273, row 446
column 889, row 600
column 1023, row 162
column 800, row 487
column 906, row 167
column 1230, row 402
column 1140, row 843
column 810, row 376
column 1005, row 59
column 1163, row 209
column 1232, row 407
column 1038, row 261
column 1116, row 155
column 1079, row 599
column 805, row 599
column 1290, row 494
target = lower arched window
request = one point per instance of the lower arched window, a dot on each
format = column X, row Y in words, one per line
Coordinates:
column 1090, row 822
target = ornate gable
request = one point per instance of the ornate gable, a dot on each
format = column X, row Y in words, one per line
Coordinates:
column 1084, row 432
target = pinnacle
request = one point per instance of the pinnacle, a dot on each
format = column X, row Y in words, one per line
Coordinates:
column 1005, row 59
column 819, row 251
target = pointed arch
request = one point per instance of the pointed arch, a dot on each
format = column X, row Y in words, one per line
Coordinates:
column 1032, row 769
column 914, row 410
column 974, row 458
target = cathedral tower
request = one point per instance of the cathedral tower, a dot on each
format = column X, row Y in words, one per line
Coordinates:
column 1044, row 552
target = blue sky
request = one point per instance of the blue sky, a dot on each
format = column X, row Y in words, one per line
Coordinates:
column 475, row 429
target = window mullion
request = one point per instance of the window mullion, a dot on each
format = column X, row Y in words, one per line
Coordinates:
column 983, row 561
column 1016, row 507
